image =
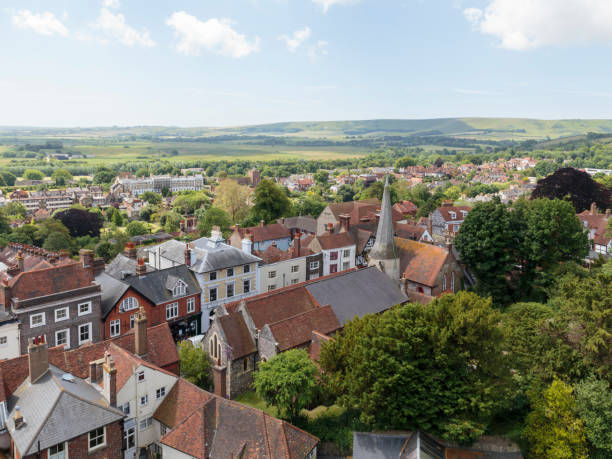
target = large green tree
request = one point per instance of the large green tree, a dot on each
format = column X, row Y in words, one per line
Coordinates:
column 440, row 369
column 195, row 364
column 594, row 404
column 213, row 217
column 287, row 381
column 271, row 202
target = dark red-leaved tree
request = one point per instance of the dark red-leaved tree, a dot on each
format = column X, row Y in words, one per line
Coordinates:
column 80, row 222
column 581, row 189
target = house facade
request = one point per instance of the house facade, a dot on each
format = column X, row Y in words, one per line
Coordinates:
column 596, row 224
column 445, row 219
column 338, row 251
column 262, row 236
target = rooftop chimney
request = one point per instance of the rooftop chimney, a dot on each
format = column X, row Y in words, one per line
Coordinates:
column 330, row 228
column 141, row 268
column 87, row 260
column 6, row 293
column 140, row 338
column 247, row 244
column 130, row 250
column 297, row 244
column 593, row 208
column 38, row 358
column 262, row 223
column 110, row 380
column 18, row 418
column 20, row 260
column 216, row 237
column 187, row 255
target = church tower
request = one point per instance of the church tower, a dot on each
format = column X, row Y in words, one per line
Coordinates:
column 384, row 254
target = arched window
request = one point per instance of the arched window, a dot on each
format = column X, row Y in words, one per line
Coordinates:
column 129, row 303
column 215, row 354
column 179, row 289
column 453, row 282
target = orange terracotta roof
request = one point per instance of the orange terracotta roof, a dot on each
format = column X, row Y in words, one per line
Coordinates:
column 419, row 262
column 182, row 399
column 237, row 334
column 266, row 232
column 335, row 241
column 446, row 210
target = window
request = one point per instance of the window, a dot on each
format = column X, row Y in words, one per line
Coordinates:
column 245, row 364
column 246, row 269
column 146, row 423
column 179, row 289
column 314, row 276
column 346, row 253
column 37, row 320
column 58, row 451
column 314, row 265
column 190, row 305
column 3, row 340
column 295, row 268
column 212, row 276
column 97, row 438
column 61, row 314
column 115, row 328
column 84, row 333
column 246, row 286
column 129, row 438
column 333, row 268
column 230, row 272
column 161, row 392
column 444, row 283
column 171, row 311
column 84, row 308
column 128, row 304
column 132, row 319
column 62, row 337
column 271, row 274
column 212, row 294
column 333, row 255
column 125, row 408
column 141, row 376
column 144, row 400
column 271, row 287
column 456, row 228
column 453, row 281
column 346, row 265
column 452, row 214
column 294, row 281
column 230, row 290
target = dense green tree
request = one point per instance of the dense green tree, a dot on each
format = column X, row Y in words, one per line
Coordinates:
column 151, row 198
column 195, row 364
column 146, row 212
column 80, row 222
column 321, row 177
column 271, row 202
column 545, row 168
column 15, row 208
column 46, row 227
column 308, row 206
column 440, row 369
column 165, row 192
column 61, row 177
column 142, row 172
column 136, row 228
column 33, row 174
column 105, row 250
column 287, row 381
column 554, row 429
column 213, row 217
column 233, row 199
column 7, row 178
column 578, row 186
column 594, row 404
column 345, row 193
column 172, row 222
column 117, row 218
column 186, row 204
column 103, row 175
column 24, row 234
column 57, row 241
column 405, row 161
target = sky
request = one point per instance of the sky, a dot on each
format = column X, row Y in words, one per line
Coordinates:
column 84, row 63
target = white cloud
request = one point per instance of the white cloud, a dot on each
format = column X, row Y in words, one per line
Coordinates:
column 214, row 35
column 296, row 40
column 43, row 23
column 528, row 24
column 112, row 27
column 320, row 49
column 114, row 4
column 326, row 4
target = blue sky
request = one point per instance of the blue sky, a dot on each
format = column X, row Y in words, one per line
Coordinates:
column 233, row 62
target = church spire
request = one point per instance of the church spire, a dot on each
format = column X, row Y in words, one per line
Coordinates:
column 384, row 246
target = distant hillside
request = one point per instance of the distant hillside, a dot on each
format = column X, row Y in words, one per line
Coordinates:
column 477, row 128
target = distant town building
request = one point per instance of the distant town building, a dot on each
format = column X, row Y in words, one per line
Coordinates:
column 157, row 183
column 254, row 177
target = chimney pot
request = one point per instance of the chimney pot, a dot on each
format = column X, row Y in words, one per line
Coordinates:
column 141, row 268
column 593, row 208
column 140, row 335
column 262, row 223
column 38, row 358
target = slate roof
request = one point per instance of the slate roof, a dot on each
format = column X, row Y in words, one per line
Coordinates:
column 356, row 293
column 122, row 266
column 237, row 334
column 55, row 410
column 420, row 262
column 156, row 286
column 217, row 427
column 302, row 223
column 297, row 330
column 266, row 232
column 112, row 290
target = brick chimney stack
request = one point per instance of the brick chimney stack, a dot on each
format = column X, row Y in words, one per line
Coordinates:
column 140, row 332
column 20, row 260
column 110, row 379
column 247, row 243
column 130, row 250
column 87, row 260
column 297, row 244
column 141, row 268
column 6, row 293
column 262, row 223
column 593, row 210
column 345, row 223
column 38, row 357
column 187, row 255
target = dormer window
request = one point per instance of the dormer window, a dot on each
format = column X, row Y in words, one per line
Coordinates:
column 179, row 289
column 464, row 213
column 452, row 214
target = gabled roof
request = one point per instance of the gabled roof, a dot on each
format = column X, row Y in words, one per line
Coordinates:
column 297, row 330
column 237, row 334
column 273, row 254
column 419, row 262
column 121, row 267
column 333, row 241
column 406, row 207
column 266, row 232
column 55, row 410
column 112, row 290
column 211, row 256
column 302, row 222
column 409, row 231
column 599, row 223
column 445, row 211
column 181, row 399
column 156, row 286
column 342, row 208
column 356, row 293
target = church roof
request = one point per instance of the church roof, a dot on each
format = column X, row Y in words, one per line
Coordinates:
column 384, row 247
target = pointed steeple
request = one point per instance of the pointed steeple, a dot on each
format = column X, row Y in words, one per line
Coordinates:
column 384, row 246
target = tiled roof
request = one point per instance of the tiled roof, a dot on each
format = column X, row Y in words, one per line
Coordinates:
column 266, row 232
column 180, row 401
column 409, row 231
column 46, row 281
column 297, row 330
column 273, row 254
column 446, row 210
column 334, row 241
column 237, row 334
column 421, row 298
column 599, row 223
column 342, row 208
column 419, row 262
column 406, row 207
column 302, row 222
